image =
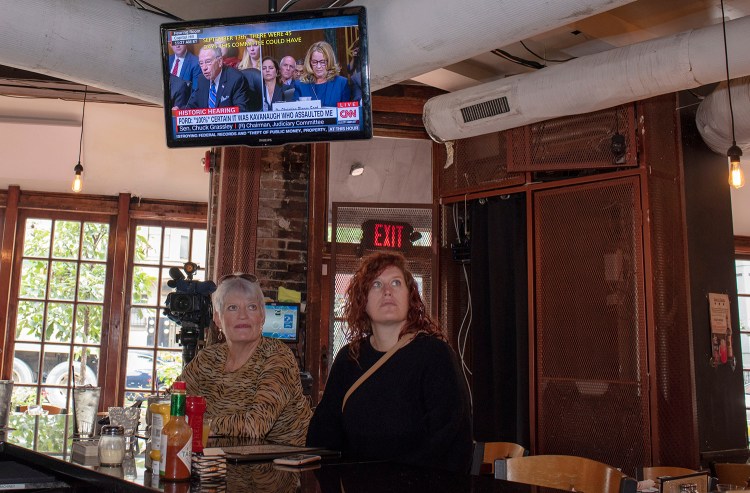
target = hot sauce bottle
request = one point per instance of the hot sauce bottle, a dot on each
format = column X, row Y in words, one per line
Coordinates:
column 177, row 438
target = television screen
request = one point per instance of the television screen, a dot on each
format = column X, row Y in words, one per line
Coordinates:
column 282, row 321
column 267, row 80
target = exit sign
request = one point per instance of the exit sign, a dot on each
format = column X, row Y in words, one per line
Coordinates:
column 391, row 235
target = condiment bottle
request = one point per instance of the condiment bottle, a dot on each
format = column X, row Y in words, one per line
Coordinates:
column 196, row 406
column 159, row 417
column 112, row 445
column 176, row 439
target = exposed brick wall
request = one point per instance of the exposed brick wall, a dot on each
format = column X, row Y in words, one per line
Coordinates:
column 281, row 252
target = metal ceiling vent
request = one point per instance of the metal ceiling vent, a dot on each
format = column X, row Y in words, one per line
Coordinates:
column 485, row 109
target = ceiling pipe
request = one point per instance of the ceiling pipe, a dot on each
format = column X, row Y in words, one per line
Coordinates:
column 115, row 47
column 713, row 118
column 592, row 83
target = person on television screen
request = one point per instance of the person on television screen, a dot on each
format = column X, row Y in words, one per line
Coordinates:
column 179, row 91
column 230, row 55
column 299, row 68
column 272, row 88
column 286, row 69
column 251, row 383
column 355, row 76
column 412, row 409
column 184, row 65
column 321, row 80
column 220, row 86
column 251, row 56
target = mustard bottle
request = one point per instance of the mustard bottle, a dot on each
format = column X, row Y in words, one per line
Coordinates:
column 159, row 417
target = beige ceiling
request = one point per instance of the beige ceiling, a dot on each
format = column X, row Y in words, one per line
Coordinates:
column 638, row 21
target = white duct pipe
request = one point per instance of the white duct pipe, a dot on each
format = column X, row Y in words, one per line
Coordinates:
column 107, row 44
column 594, row 82
column 713, row 116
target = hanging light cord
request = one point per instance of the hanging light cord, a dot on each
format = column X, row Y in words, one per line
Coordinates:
column 83, row 115
column 726, row 64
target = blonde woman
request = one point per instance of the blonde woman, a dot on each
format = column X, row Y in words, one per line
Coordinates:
column 252, row 56
column 321, row 80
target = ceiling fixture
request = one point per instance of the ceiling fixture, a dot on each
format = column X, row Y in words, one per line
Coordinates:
column 357, row 169
column 736, row 176
column 78, row 169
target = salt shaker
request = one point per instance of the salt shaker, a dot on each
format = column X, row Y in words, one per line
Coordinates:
column 112, row 445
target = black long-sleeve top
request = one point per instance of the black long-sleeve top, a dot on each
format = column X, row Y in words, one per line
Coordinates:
column 414, row 409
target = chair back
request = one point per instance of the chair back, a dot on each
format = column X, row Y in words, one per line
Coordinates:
column 661, row 471
column 731, row 473
column 500, row 450
column 565, row 472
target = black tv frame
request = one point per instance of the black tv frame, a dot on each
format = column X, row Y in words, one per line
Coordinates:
column 231, row 25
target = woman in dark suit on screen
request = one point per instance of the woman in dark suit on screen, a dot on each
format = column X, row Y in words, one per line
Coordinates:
column 321, row 80
column 272, row 88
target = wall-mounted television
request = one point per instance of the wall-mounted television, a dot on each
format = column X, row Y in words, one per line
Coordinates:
column 220, row 89
column 282, row 321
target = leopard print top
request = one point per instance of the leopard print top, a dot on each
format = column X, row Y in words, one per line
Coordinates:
column 263, row 399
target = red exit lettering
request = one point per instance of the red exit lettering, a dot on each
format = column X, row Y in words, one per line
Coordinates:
column 388, row 235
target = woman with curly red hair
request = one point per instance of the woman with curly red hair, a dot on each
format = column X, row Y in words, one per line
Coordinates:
column 414, row 407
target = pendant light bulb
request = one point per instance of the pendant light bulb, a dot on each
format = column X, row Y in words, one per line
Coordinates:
column 78, row 179
column 736, row 176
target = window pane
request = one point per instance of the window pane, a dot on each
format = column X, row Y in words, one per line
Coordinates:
column 51, row 435
column 176, row 246
column 743, row 276
column 59, row 322
column 37, row 238
column 86, row 357
column 26, row 363
column 167, row 333
column 140, row 368
column 91, row 282
column 168, row 368
column 67, row 238
column 142, row 331
column 29, row 321
column 33, row 279
column 144, row 285
column 147, row 244
column 62, row 283
column 95, row 241
column 743, row 305
column 88, row 324
column 199, row 248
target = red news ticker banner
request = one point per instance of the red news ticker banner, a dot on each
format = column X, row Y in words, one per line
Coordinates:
column 226, row 110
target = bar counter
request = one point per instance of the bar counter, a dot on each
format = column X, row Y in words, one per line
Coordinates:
column 329, row 476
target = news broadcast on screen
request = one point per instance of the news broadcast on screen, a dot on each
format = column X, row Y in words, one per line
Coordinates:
column 267, row 80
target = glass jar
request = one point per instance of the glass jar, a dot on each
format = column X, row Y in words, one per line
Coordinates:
column 112, row 445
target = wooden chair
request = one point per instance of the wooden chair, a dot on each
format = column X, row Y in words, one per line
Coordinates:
column 565, row 472
column 657, row 472
column 731, row 473
column 485, row 454
column 47, row 407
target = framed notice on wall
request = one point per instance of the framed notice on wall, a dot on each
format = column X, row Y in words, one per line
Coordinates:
column 721, row 329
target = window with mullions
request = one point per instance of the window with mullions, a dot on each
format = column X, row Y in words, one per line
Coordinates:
column 154, row 356
column 743, row 304
column 57, row 322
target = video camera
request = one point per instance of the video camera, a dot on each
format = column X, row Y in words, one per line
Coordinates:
column 190, row 307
